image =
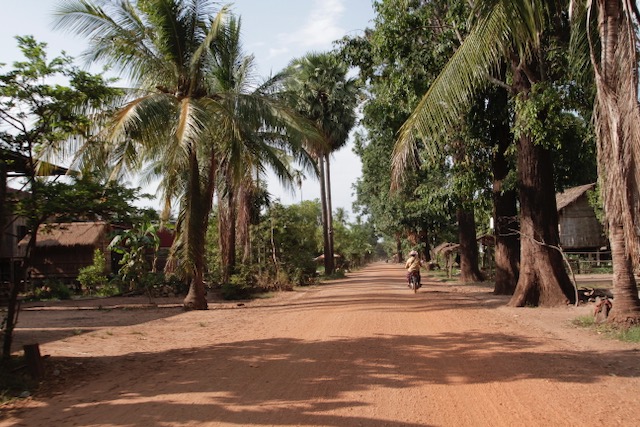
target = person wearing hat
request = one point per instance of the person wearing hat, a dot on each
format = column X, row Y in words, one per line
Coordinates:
column 413, row 265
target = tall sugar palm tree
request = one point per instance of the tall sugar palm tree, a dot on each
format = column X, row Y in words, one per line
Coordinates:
column 323, row 93
column 511, row 31
column 184, row 113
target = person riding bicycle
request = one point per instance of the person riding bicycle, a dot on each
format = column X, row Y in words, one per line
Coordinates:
column 413, row 265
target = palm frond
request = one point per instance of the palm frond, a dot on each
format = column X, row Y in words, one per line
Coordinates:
column 452, row 92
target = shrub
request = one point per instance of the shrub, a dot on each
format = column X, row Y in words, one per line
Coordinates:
column 93, row 276
column 52, row 289
column 108, row 289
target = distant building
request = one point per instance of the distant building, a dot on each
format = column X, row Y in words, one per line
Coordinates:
column 579, row 228
column 62, row 249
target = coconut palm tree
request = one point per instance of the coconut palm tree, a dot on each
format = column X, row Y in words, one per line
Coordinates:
column 617, row 120
column 256, row 142
column 184, row 116
column 511, row 31
column 323, row 93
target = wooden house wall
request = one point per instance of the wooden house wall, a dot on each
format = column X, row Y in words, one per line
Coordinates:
column 64, row 262
column 579, row 228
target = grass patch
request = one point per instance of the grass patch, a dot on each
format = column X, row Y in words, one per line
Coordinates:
column 631, row 334
column 338, row 274
column 264, row 295
column 584, row 322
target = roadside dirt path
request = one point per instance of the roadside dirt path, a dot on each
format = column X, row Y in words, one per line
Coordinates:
column 363, row 351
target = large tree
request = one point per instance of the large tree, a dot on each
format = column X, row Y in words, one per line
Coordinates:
column 520, row 33
column 177, row 120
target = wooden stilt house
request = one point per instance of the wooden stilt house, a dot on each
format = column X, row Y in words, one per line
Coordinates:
column 579, row 227
column 64, row 248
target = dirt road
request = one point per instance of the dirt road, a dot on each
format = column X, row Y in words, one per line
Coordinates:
column 363, row 351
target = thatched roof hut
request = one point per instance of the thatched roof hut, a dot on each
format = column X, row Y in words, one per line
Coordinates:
column 63, row 248
column 577, row 223
column 70, row 234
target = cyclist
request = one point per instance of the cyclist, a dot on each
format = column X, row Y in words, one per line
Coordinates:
column 413, row 265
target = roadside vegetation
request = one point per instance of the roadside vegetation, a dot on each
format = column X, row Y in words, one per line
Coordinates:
column 611, row 331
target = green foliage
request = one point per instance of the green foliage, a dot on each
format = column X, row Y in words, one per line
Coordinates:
column 627, row 334
column 240, row 286
column 293, row 232
column 52, row 289
column 595, row 201
column 547, row 114
column 109, row 289
column 398, row 63
column 133, row 245
column 93, row 277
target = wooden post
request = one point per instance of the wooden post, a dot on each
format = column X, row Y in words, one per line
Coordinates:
column 34, row 360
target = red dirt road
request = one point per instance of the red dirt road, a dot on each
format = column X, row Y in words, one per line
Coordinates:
column 364, row 351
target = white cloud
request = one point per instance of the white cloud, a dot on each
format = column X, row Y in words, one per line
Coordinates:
column 275, row 52
column 321, row 27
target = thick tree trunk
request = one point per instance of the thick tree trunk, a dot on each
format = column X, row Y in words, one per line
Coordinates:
column 543, row 279
column 505, row 211
column 469, row 270
column 507, row 249
column 626, row 304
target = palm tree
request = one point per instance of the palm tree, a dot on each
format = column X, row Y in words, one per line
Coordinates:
column 298, row 178
column 617, row 119
column 509, row 31
column 185, row 114
column 323, row 93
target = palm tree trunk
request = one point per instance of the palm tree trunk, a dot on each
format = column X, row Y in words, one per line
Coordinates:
column 329, row 211
column 245, row 213
column 196, row 229
column 328, row 260
column 227, row 233
column 617, row 118
column 626, row 304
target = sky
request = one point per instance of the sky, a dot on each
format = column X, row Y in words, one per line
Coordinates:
column 274, row 31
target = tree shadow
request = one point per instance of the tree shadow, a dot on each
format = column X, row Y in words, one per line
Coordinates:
column 42, row 326
column 287, row 381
